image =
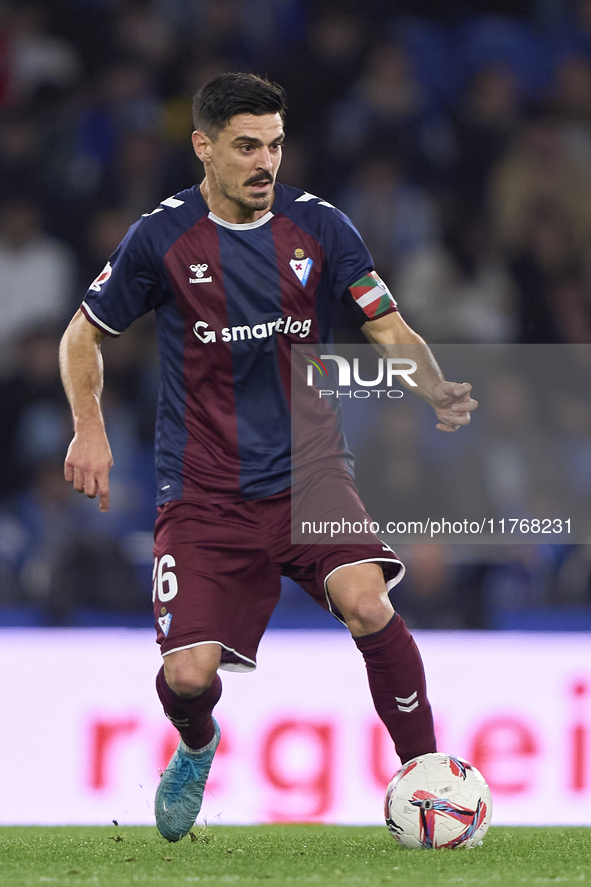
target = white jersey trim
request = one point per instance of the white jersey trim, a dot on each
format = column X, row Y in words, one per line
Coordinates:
column 247, row 665
column 100, row 322
column 247, row 226
column 368, row 560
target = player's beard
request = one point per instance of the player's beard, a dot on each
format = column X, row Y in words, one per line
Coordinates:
column 258, row 203
column 245, row 200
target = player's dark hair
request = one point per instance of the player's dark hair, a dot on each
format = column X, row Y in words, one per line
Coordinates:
column 229, row 94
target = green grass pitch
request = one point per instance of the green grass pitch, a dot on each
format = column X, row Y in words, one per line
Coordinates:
column 281, row 856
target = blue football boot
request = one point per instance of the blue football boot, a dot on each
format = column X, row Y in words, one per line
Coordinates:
column 180, row 793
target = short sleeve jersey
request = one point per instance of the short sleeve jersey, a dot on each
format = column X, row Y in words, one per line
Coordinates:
column 230, row 300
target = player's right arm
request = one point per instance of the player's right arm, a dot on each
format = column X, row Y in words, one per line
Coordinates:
column 88, row 460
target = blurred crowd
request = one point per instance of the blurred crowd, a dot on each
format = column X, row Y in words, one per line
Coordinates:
column 457, row 136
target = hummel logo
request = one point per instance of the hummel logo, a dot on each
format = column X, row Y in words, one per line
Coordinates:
column 199, row 272
column 178, row 722
column 407, row 704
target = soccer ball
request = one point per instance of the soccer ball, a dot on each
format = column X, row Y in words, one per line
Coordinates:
column 438, row 800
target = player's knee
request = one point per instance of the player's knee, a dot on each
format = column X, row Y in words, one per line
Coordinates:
column 367, row 614
column 359, row 591
column 189, row 685
column 191, row 672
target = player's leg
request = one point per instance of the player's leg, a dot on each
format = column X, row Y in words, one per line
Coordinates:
column 213, row 596
column 189, row 687
column 350, row 574
column 394, row 665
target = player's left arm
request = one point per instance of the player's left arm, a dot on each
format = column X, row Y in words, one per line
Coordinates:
column 452, row 401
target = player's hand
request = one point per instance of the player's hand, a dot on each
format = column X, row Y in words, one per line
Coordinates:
column 453, row 405
column 87, row 466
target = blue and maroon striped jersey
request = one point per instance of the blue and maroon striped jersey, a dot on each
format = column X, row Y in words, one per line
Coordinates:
column 230, row 300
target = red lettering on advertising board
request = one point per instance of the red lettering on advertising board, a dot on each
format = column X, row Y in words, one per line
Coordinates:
column 383, row 760
column 503, row 749
column 579, row 737
column 103, row 736
column 306, row 793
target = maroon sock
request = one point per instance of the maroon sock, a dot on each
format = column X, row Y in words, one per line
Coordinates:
column 397, row 683
column 191, row 717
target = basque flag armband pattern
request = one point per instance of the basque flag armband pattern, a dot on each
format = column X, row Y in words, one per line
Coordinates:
column 372, row 295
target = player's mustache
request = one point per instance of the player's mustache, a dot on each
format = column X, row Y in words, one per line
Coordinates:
column 260, row 177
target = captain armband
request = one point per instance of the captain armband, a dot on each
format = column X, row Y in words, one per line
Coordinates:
column 372, row 295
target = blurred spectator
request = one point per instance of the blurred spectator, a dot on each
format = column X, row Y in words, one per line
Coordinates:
column 573, row 581
column 67, row 565
column 569, row 28
column 551, row 277
column 487, row 120
column 21, row 155
column 505, row 39
column 396, row 217
column 57, row 551
column 219, row 29
column 459, row 290
column 571, row 90
column 437, row 594
column 121, row 101
column 297, row 165
column 514, row 453
column 539, row 166
column 140, row 177
column 36, row 56
column 36, row 275
column 387, row 107
column 571, row 99
column 177, row 109
column 141, row 34
column 5, row 60
column 331, row 56
column 393, row 476
column 573, row 420
column 266, row 25
column 105, row 230
column 572, row 309
column 522, row 579
column 35, row 423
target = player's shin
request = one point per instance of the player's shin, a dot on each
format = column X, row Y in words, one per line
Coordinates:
column 397, row 683
column 191, row 716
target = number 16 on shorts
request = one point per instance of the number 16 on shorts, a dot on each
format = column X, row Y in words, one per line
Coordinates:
column 164, row 581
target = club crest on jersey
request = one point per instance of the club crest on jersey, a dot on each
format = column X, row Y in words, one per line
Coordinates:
column 102, row 278
column 164, row 623
column 301, row 268
column 199, row 271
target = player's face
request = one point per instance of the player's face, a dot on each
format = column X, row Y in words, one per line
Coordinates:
column 241, row 164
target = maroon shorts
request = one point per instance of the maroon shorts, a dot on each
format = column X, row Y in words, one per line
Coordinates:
column 218, row 567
